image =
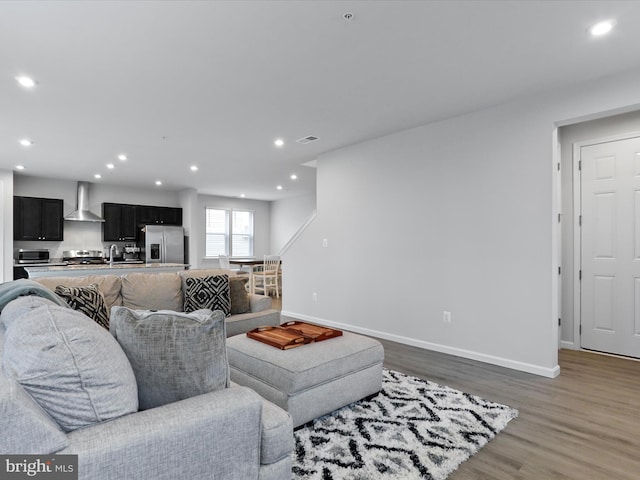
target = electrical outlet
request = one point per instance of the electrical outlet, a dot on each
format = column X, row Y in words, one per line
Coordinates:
column 315, row 297
column 446, row 317
column 325, row 242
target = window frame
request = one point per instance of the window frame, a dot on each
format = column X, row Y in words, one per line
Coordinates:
column 229, row 232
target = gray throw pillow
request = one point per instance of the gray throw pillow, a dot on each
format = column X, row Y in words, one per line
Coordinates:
column 174, row 355
column 69, row 365
column 210, row 292
column 238, row 295
column 18, row 307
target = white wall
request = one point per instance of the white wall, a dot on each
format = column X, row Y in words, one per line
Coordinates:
column 580, row 132
column 6, row 226
column 455, row 216
column 287, row 217
column 261, row 227
column 190, row 218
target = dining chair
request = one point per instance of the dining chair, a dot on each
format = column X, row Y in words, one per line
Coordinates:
column 269, row 276
column 224, row 262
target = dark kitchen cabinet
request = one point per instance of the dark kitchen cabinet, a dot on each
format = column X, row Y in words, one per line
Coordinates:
column 145, row 215
column 149, row 215
column 168, row 215
column 120, row 222
column 38, row 219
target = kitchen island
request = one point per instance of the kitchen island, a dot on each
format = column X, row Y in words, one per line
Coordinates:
column 117, row 268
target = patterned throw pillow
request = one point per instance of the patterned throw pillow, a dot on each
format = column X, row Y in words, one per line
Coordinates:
column 210, row 292
column 238, row 295
column 88, row 300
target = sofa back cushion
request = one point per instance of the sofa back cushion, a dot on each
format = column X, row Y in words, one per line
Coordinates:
column 152, row 291
column 174, row 355
column 72, row 367
column 109, row 286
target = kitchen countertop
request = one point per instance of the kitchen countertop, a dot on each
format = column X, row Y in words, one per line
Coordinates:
column 48, row 270
column 48, row 264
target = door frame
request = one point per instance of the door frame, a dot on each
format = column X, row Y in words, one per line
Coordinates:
column 577, row 230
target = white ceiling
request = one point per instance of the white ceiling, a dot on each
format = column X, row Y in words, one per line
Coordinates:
column 213, row 83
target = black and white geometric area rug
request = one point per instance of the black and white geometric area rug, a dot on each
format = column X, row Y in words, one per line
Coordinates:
column 413, row 429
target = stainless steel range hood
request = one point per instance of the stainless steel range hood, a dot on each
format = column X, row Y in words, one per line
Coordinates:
column 82, row 214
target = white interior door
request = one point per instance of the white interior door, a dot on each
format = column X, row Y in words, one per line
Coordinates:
column 610, row 263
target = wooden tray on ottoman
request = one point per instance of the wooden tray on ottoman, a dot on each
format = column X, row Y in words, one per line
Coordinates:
column 279, row 337
column 316, row 332
column 292, row 334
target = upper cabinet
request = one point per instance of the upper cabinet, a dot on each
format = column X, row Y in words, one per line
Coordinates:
column 38, row 219
column 122, row 221
column 148, row 215
column 119, row 222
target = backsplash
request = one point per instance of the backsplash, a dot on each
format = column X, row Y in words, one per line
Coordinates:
column 77, row 235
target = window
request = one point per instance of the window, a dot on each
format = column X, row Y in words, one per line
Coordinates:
column 217, row 232
column 228, row 232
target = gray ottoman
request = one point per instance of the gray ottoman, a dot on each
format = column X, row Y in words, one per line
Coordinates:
column 311, row 380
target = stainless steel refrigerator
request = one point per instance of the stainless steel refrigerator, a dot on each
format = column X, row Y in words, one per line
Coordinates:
column 163, row 244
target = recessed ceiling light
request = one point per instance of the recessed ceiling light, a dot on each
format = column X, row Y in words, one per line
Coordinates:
column 110, row 166
column 26, row 82
column 122, row 157
column 278, row 142
column 242, row 195
column 158, row 182
column 601, row 28
column 19, row 167
column 194, row 168
column 25, row 142
column 279, row 187
column 97, row 175
column 293, row 176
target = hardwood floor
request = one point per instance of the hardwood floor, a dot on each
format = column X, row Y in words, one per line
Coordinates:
column 584, row 424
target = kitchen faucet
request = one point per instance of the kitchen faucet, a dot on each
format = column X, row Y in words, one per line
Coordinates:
column 113, row 248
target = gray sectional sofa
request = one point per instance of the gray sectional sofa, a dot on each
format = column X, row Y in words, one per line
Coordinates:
column 165, row 291
column 229, row 433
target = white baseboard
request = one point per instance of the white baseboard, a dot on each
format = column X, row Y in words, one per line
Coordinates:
column 569, row 345
column 481, row 357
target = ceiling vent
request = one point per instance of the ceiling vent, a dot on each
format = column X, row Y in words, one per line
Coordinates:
column 305, row 140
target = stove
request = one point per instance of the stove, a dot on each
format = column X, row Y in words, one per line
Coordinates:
column 83, row 257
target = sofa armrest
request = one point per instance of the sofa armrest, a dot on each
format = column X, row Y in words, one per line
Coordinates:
column 259, row 303
column 215, row 435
